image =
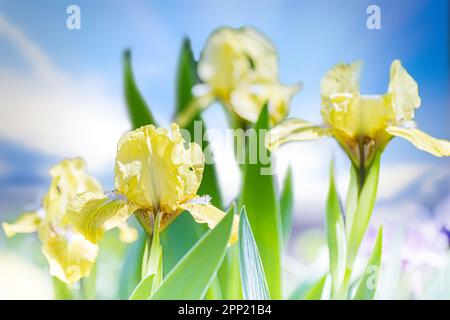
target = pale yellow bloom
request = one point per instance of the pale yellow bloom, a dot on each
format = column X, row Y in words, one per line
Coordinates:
column 69, row 254
column 239, row 68
column 154, row 173
column 362, row 124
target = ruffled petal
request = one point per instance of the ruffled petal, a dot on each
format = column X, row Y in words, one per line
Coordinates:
column 342, row 78
column 94, row 213
column 70, row 256
column 154, row 169
column 127, row 234
column 207, row 213
column 294, row 130
column 404, row 91
column 28, row 222
column 423, row 141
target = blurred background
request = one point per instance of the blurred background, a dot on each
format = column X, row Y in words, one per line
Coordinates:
column 61, row 96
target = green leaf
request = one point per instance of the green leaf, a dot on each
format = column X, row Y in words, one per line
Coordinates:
column 138, row 110
column 300, row 291
column 144, row 288
column 179, row 237
column 131, row 272
column 368, row 282
column 186, row 76
column 366, row 202
column 254, row 284
column 352, row 198
column 316, row 290
column 152, row 261
column 87, row 284
column 335, row 236
column 287, row 206
column 192, row 276
column 61, row 291
column 229, row 274
column 152, row 266
column 262, row 206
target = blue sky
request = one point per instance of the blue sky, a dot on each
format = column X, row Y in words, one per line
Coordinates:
column 64, row 97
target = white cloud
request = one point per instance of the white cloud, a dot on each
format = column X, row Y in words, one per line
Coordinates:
column 395, row 178
column 48, row 110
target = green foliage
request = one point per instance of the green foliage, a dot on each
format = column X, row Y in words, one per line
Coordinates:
column 131, row 272
column 316, row 291
column 87, row 285
column 335, row 235
column 287, row 206
column 179, row 236
column 61, row 291
column 138, row 110
column 367, row 284
column 152, row 267
column 254, row 284
column 263, row 210
column 192, row 276
column 229, row 273
column 363, row 211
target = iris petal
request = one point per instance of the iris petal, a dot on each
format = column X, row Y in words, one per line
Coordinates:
column 28, row 222
column 70, row 257
column 342, row 78
column 94, row 213
column 295, row 130
column 404, row 91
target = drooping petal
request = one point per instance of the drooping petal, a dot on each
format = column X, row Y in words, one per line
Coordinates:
column 423, row 141
column 127, row 234
column 28, row 222
column 207, row 213
column 294, row 130
column 94, row 213
column 70, row 256
column 404, row 91
column 342, row 78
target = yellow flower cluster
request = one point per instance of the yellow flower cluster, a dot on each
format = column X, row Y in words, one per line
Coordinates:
column 362, row 124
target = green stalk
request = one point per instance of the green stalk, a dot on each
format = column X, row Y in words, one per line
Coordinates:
column 87, row 284
column 361, row 198
column 61, row 290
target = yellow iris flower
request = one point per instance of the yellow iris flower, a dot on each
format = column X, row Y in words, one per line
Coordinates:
column 362, row 124
column 69, row 254
column 239, row 68
column 154, row 173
